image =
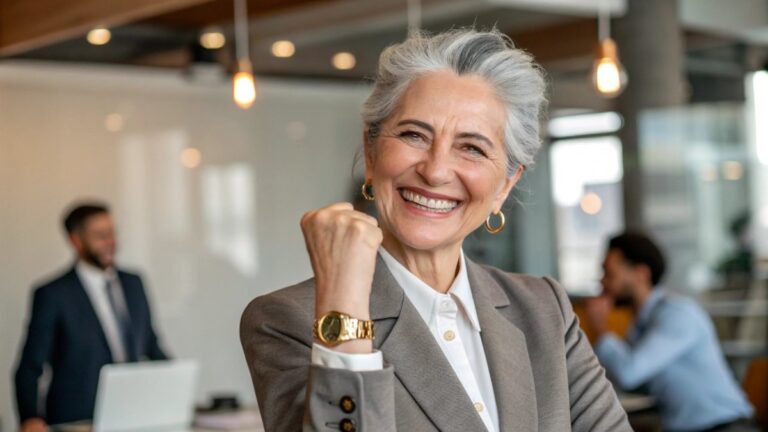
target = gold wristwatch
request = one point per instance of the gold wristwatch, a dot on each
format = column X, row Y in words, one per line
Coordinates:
column 335, row 327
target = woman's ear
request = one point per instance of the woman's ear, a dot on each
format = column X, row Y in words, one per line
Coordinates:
column 509, row 183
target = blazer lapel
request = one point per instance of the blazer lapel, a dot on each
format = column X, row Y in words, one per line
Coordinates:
column 506, row 352
column 420, row 364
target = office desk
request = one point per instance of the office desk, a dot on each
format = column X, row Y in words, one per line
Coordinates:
column 243, row 420
column 641, row 411
column 254, row 429
column 633, row 402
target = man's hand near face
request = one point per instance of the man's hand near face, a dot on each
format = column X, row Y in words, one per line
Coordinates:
column 598, row 309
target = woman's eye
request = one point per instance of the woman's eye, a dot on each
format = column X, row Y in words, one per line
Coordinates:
column 474, row 149
column 411, row 135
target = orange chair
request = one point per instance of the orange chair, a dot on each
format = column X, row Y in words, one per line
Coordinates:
column 756, row 387
column 619, row 320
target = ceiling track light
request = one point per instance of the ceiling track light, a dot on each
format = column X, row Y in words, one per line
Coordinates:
column 283, row 49
column 99, row 36
column 344, row 61
column 212, row 38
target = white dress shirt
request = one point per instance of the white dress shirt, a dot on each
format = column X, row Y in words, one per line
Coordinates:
column 94, row 281
column 452, row 320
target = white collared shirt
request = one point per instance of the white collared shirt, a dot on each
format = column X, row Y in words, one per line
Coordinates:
column 94, row 281
column 452, row 320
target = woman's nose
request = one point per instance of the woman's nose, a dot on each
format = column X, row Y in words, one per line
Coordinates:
column 436, row 168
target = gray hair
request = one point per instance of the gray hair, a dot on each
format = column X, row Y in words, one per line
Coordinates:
column 517, row 81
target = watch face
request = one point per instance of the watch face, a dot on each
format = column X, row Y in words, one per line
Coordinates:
column 331, row 328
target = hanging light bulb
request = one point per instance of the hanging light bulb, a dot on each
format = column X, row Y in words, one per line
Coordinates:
column 243, row 84
column 608, row 74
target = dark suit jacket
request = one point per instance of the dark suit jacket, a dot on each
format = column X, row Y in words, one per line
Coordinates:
column 545, row 376
column 65, row 333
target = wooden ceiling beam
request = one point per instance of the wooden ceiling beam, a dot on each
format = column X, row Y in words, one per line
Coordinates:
column 573, row 39
column 30, row 24
column 218, row 12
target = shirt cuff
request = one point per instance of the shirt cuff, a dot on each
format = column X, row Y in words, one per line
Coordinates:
column 322, row 356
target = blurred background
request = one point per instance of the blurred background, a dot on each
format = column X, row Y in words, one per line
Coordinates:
column 131, row 102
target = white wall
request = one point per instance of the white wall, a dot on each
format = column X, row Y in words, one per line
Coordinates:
column 206, row 239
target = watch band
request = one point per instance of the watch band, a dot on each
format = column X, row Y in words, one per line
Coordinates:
column 364, row 329
column 349, row 328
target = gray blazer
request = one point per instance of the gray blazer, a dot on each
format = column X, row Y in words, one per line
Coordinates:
column 545, row 375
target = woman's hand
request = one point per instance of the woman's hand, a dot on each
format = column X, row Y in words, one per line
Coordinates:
column 342, row 245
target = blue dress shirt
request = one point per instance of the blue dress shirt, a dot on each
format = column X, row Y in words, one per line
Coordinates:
column 672, row 348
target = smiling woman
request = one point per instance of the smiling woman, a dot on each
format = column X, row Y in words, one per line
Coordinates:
column 398, row 330
column 442, row 148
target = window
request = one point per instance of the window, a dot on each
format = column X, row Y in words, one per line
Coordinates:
column 586, row 171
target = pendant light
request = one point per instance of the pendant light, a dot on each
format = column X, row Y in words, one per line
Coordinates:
column 243, row 85
column 608, row 74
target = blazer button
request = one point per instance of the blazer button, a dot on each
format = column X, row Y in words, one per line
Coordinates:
column 347, row 425
column 347, row 404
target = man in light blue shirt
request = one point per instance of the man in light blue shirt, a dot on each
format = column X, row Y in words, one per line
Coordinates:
column 671, row 347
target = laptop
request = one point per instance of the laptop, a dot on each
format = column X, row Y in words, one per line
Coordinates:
column 150, row 396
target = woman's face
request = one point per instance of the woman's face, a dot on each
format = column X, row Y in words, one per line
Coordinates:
column 439, row 166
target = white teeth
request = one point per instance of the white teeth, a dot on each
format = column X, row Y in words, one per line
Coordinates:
column 438, row 205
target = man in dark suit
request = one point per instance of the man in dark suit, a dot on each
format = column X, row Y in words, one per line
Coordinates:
column 92, row 315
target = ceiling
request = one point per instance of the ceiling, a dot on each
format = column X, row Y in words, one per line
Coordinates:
column 318, row 28
column 561, row 34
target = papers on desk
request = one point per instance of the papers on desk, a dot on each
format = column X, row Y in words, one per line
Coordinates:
column 230, row 421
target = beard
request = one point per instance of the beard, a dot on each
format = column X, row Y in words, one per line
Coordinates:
column 624, row 300
column 92, row 258
column 625, row 297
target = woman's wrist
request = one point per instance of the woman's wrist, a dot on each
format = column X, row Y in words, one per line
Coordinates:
column 355, row 307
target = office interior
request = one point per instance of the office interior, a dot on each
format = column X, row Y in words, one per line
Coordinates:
column 131, row 103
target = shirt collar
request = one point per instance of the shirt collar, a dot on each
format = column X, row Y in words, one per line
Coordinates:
column 93, row 273
column 424, row 297
column 656, row 295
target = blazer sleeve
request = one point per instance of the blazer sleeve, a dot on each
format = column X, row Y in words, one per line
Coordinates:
column 36, row 352
column 153, row 349
column 594, row 405
column 295, row 395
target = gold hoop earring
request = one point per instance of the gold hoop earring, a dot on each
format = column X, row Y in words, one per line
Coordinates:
column 499, row 228
column 367, row 191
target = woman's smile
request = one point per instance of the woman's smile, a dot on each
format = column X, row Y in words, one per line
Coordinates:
column 428, row 204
